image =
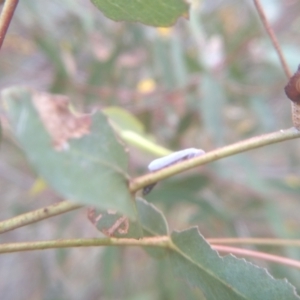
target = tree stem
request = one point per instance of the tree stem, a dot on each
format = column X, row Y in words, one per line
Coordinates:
column 259, row 255
column 162, row 241
column 140, row 182
column 255, row 241
column 6, row 16
column 272, row 37
column 239, row 147
column 37, row 215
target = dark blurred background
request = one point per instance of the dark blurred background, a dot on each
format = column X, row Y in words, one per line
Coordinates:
column 205, row 83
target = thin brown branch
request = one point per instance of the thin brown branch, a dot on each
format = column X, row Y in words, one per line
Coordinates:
column 239, row 147
column 273, row 38
column 295, row 106
column 142, row 181
column 6, row 16
column 255, row 241
column 162, row 242
column 37, row 215
column 259, row 255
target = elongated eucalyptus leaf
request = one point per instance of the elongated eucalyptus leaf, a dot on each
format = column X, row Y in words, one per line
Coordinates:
column 155, row 12
column 226, row 278
column 79, row 156
column 124, row 120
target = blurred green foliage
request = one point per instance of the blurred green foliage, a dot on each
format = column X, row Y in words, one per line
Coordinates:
column 205, row 83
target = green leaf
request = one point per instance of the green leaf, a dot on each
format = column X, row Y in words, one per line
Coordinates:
column 151, row 222
column 123, row 119
column 170, row 288
column 226, row 278
column 132, row 131
column 113, row 224
column 154, row 13
column 80, row 157
column 180, row 189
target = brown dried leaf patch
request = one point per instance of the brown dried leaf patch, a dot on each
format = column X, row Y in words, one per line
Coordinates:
column 59, row 121
column 119, row 224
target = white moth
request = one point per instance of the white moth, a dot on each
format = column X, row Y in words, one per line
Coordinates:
column 169, row 160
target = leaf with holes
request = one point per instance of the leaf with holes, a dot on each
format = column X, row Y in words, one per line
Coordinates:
column 151, row 222
column 79, row 156
column 113, row 224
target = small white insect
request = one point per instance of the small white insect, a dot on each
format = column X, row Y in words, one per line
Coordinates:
column 169, row 160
